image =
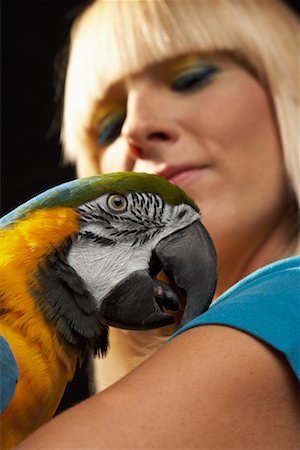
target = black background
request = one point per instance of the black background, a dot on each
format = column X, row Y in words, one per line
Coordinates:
column 34, row 40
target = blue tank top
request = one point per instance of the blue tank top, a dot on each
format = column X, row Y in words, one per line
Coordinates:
column 265, row 304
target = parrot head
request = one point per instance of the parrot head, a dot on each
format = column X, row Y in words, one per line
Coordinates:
column 118, row 231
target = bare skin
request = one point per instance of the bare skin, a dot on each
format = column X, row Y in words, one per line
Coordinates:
column 242, row 395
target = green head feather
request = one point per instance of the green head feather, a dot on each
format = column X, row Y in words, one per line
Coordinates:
column 75, row 193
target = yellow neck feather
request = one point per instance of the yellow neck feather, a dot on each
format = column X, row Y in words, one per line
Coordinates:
column 22, row 248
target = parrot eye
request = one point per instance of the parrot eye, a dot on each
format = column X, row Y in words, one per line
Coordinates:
column 117, row 203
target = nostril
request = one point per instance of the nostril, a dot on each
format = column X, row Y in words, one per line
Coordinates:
column 158, row 136
column 135, row 151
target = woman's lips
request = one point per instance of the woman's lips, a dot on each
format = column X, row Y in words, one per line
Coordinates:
column 181, row 175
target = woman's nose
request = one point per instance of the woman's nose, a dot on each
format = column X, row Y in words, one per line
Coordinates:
column 148, row 128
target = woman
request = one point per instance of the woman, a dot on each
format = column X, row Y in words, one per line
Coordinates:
column 204, row 94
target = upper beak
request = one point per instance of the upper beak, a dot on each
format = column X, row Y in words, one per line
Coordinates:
column 188, row 256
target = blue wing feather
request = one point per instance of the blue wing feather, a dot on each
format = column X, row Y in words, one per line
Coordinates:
column 9, row 374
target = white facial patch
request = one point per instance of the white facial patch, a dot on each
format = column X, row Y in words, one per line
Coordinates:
column 112, row 245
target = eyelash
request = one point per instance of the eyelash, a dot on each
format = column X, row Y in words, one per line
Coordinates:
column 193, row 79
column 110, row 128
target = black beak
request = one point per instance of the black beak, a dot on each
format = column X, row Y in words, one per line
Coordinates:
column 188, row 256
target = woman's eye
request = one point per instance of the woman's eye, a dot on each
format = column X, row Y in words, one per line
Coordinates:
column 192, row 79
column 110, row 128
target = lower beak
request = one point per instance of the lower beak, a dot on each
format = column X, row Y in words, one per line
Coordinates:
column 188, row 256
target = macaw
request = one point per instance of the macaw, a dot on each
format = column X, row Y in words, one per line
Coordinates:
column 80, row 257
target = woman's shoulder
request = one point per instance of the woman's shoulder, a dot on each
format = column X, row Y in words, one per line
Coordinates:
column 265, row 304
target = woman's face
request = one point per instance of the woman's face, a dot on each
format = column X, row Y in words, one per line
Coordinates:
column 207, row 126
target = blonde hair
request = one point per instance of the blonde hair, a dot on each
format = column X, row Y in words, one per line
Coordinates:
column 113, row 38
